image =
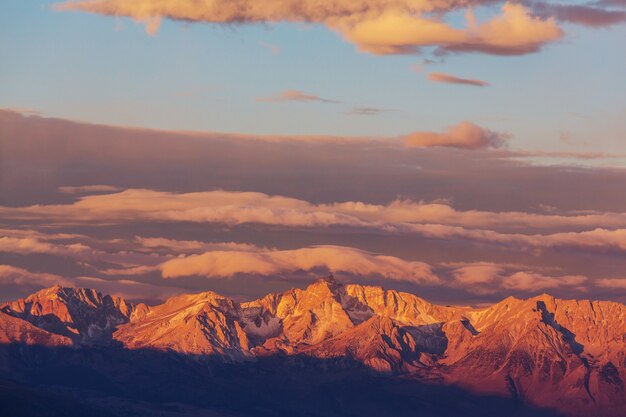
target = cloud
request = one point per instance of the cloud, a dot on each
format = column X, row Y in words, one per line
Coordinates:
column 129, row 289
column 602, row 240
column 23, row 111
column 23, row 280
column 514, row 32
column 610, row 3
column 10, row 275
column 32, row 245
column 335, row 259
column 483, row 273
column 440, row 77
column 616, row 283
column 296, row 95
column 171, row 258
column 385, row 27
column 86, row 189
column 433, row 220
column 531, row 282
column 465, row 135
column 190, row 246
column 81, row 249
column 366, row 111
column 490, row 278
column 585, row 15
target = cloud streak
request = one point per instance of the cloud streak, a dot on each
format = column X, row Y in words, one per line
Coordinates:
column 297, row 96
column 366, row 111
column 441, row 77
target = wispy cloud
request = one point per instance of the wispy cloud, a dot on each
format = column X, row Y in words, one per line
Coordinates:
column 366, row 111
column 296, row 95
column 441, row 77
column 87, row 189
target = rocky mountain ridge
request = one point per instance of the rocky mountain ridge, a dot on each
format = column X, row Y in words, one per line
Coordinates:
column 569, row 355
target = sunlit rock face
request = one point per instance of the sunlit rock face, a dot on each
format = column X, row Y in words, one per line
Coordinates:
column 198, row 324
column 83, row 315
column 568, row 355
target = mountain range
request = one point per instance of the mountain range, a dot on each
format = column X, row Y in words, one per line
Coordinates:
column 330, row 349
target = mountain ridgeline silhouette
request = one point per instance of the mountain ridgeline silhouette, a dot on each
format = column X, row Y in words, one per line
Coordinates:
column 331, row 349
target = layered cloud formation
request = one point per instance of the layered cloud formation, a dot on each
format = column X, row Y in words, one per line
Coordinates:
column 379, row 27
column 600, row 231
column 175, row 259
column 158, row 212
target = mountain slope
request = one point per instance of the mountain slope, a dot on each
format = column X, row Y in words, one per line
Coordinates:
column 564, row 354
column 83, row 315
column 198, row 324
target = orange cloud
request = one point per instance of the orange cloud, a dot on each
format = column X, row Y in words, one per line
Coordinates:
column 514, row 32
column 336, row 259
column 464, row 135
column 440, row 77
column 380, row 27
